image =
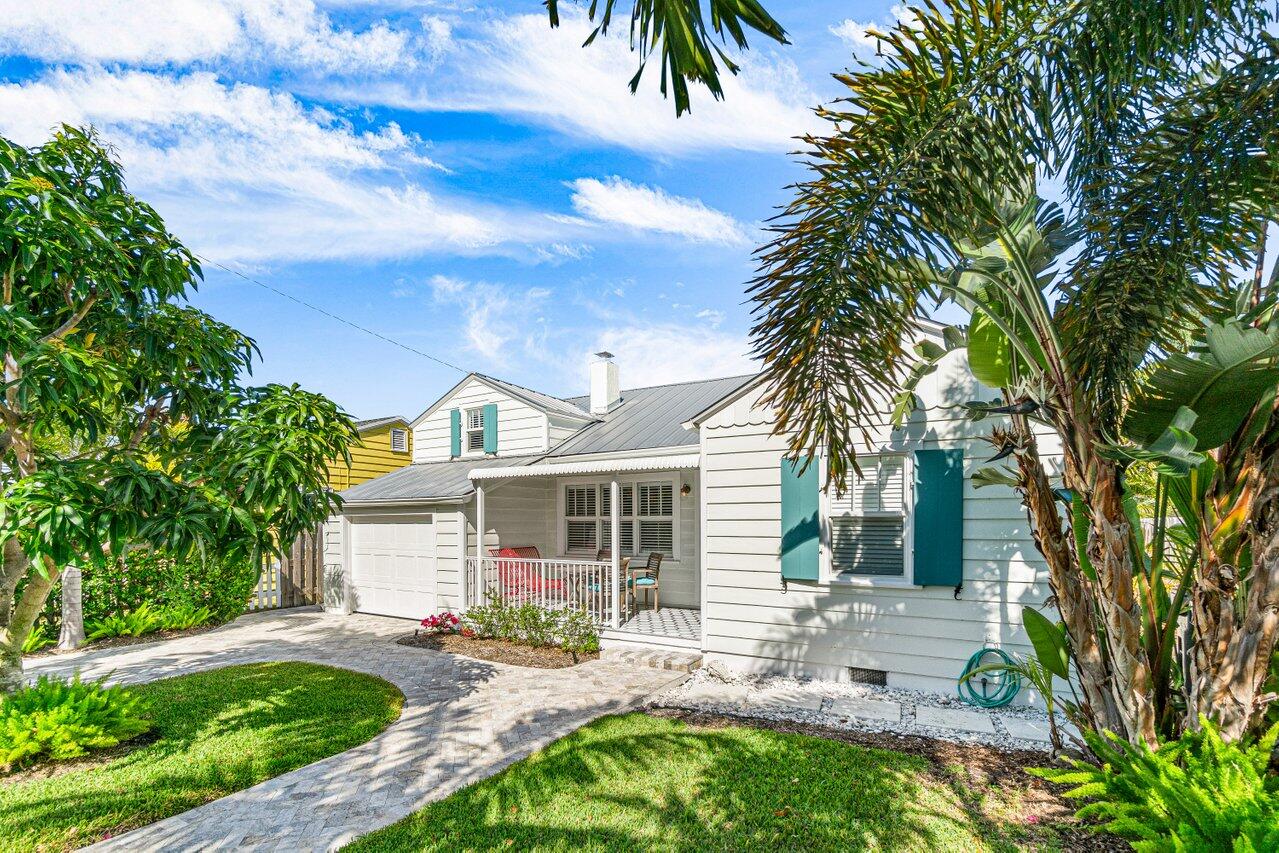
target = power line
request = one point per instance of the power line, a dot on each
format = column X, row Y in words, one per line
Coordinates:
column 331, row 315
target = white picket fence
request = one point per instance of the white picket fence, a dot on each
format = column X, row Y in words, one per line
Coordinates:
column 266, row 595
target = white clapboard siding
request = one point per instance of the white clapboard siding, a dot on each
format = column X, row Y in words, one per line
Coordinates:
column 521, row 429
column 920, row 636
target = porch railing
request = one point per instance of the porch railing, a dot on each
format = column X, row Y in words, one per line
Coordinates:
column 583, row 584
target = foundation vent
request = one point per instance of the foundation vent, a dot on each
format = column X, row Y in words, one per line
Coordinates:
column 876, row 677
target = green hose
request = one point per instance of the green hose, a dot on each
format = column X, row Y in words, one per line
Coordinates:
column 990, row 689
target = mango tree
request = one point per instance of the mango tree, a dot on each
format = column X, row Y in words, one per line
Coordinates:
column 123, row 417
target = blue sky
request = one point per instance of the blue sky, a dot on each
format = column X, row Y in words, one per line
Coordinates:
column 457, row 177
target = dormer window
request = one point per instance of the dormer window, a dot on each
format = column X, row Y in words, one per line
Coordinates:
column 474, row 430
column 399, row 441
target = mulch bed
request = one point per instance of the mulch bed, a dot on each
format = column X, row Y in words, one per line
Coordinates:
column 112, row 642
column 967, row 768
column 497, row 651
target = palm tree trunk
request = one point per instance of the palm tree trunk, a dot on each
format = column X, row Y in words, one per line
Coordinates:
column 1229, row 687
column 1074, row 600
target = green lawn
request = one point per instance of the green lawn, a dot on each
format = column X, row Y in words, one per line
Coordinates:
column 215, row 733
column 641, row 783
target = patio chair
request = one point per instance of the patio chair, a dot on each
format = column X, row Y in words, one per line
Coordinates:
column 516, row 579
column 604, row 555
column 647, row 578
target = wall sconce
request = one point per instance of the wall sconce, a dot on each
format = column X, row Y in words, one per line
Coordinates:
column 685, row 490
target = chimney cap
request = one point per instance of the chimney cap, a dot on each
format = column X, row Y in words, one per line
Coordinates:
column 605, row 354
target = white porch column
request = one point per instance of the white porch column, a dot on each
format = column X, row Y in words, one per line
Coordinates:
column 481, row 594
column 615, row 547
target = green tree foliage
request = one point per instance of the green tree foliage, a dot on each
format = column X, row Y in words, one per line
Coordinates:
column 1132, row 320
column 678, row 33
column 123, row 420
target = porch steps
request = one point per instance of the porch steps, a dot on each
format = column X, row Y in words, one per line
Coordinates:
column 675, row 661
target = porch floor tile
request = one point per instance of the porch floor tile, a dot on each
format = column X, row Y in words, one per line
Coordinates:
column 681, row 622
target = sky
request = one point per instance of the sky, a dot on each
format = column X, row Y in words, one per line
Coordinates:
column 456, row 177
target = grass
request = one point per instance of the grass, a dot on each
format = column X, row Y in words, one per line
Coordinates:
column 637, row 782
column 214, row 733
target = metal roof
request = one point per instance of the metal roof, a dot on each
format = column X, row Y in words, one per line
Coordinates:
column 648, row 417
column 540, row 400
column 427, row 481
column 669, row 462
column 373, row 423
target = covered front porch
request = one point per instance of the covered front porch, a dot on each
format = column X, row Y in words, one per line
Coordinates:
column 616, row 538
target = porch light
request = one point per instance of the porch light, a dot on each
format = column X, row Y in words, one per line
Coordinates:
column 685, row 490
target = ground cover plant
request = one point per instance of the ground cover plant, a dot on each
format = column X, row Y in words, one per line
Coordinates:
column 57, row 720
column 639, row 782
column 212, row 733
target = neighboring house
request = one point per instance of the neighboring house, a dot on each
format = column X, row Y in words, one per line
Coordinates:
column 898, row 581
column 385, row 445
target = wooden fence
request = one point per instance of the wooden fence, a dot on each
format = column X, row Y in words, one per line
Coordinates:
column 295, row 580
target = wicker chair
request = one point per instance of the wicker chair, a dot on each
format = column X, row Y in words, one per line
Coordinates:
column 647, row 578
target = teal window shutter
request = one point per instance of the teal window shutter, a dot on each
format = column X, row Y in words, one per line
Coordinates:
column 455, row 432
column 939, row 517
column 801, row 528
column 490, row 428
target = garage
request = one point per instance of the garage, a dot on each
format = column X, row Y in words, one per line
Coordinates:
column 393, row 565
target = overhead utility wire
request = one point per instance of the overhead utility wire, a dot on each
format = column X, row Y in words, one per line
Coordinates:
column 331, row 315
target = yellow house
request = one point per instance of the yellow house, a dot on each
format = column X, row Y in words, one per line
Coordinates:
column 385, row 445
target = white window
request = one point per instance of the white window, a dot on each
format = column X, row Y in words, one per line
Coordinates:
column 869, row 524
column 399, row 441
column 646, row 518
column 474, row 429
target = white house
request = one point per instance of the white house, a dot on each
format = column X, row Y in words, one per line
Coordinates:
column 896, row 582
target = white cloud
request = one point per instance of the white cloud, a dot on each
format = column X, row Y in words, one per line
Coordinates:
column 619, row 202
column 289, row 33
column 857, row 36
column 520, row 66
column 498, row 320
column 673, row 352
column 247, row 174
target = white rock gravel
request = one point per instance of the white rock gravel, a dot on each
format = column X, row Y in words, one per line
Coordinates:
column 860, row 707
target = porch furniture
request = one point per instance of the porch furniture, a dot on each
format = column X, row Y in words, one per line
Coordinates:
column 647, row 578
column 604, row 555
column 518, row 578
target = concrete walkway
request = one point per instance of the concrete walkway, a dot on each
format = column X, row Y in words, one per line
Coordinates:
column 463, row 720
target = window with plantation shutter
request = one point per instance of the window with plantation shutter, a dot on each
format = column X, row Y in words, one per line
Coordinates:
column 646, row 518
column 868, row 522
column 474, row 430
column 656, row 517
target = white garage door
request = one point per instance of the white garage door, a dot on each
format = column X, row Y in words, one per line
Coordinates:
column 393, row 565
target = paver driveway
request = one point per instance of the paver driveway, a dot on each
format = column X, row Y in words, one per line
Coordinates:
column 463, row 720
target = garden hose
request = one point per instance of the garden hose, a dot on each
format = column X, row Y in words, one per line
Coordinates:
column 990, row 689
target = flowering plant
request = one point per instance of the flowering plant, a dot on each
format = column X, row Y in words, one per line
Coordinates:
column 442, row 623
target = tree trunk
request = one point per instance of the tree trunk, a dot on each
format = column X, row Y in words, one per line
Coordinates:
column 1074, row 600
column 23, row 615
column 1109, row 546
column 12, row 570
column 72, row 632
column 1231, row 692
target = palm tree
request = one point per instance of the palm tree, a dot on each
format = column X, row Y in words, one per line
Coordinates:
column 1101, row 318
column 677, row 32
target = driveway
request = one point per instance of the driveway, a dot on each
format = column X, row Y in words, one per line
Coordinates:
column 463, row 720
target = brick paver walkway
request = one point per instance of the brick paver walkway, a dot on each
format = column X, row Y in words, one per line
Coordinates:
column 463, row 720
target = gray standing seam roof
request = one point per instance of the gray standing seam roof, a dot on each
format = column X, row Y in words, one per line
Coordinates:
column 648, row 417
column 370, row 423
column 537, row 398
column 427, row 480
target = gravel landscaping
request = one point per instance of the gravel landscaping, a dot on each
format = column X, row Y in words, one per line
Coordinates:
column 861, row 707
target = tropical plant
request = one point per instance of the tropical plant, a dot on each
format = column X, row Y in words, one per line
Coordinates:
column 65, row 719
column 1196, row 793
column 1132, row 323
column 142, row 620
column 124, row 421
column 38, row 639
column 677, row 32
column 185, row 615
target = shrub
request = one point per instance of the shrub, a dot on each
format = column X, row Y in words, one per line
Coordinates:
column 1196, row 793
column 142, row 620
column 179, row 617
column 442, row 623
column 571, row 629
column 65, row 719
